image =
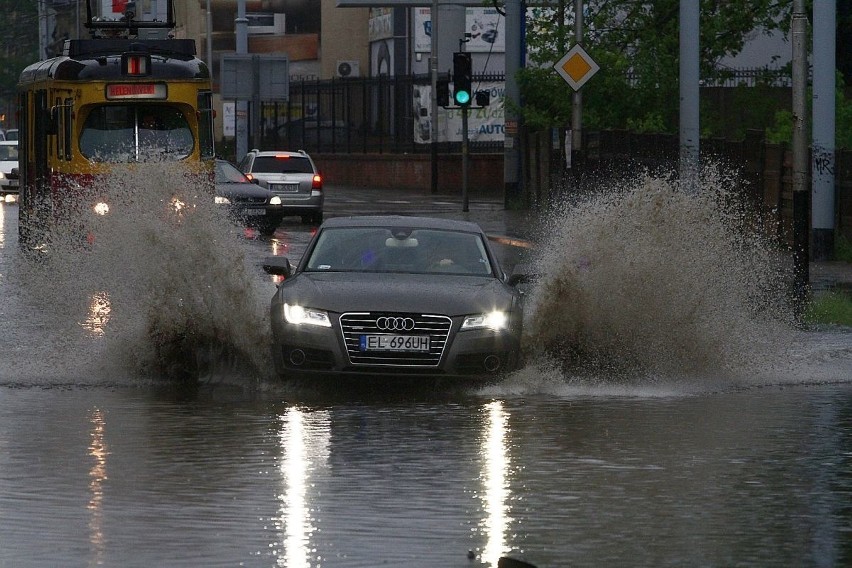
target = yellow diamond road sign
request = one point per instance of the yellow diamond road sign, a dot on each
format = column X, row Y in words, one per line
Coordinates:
column 576, row 67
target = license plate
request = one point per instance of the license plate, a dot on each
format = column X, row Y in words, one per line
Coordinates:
column 284, row 187
column 255, row 211
column 394, row 343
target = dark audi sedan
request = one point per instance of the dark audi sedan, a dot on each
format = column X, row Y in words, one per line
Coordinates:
column 246, row 202
column 400, row 296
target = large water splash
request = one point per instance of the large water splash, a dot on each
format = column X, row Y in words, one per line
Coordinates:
column 646, row 280
column 162, row 288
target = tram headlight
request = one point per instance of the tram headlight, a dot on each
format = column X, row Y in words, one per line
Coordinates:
column 101, row 208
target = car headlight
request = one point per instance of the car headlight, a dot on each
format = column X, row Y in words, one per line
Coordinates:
column 219, row 200
column 275, row 200
column 298, row 315
column 2, row 175
column 101, row 208
column 495, row 320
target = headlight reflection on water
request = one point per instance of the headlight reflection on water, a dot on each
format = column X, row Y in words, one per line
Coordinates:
column 495, row 496
column 97, row 476
column 99, row 314
column 304, row 438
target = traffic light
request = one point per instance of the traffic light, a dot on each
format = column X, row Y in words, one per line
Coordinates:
column 443, row 92
column 462, row 78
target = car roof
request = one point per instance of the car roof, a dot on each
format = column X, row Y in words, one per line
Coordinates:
column 295, row 154
column 402, row 221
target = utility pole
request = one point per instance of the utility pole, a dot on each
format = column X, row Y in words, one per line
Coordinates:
column 433, row 70
column 577, row 97
column 511, row 153
column 823, row 160
column 241, row 24
column 689, row 95
column 800, row 155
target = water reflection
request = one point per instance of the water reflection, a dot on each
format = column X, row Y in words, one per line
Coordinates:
column 97, row 476
column 99, row 314
column 304, row 438
column 495, row 463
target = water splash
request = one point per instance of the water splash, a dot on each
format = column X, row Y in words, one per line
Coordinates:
column 644, row 281
column 162, row 288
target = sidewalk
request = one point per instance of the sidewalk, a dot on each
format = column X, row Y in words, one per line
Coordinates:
column 513, row 229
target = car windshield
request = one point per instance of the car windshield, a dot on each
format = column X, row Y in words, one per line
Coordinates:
column 227, row 173
column 9, row 152
column 283, row 164
column 124, row 133
column 397, row 249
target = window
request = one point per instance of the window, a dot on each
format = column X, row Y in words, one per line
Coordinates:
column 124, row 133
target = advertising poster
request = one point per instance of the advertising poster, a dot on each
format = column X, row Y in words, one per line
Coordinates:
column 485, row 26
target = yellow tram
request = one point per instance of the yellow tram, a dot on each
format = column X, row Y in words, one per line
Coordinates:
column 128, row 94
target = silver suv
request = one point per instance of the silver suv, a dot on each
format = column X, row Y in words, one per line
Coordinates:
column 293, row 177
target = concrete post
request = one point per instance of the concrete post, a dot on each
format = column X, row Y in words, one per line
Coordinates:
column 241, row 28
column 823, row 151
column 800, row 154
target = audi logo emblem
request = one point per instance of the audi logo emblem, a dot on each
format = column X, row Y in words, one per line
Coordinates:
column 395, row 323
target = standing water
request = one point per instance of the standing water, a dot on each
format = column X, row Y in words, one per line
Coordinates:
column 670, row 412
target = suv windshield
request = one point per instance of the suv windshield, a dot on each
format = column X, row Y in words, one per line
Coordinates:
column 282, row 165
column 124, row 133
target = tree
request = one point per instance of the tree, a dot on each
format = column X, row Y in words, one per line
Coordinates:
column 636, row 44
column 19, row 33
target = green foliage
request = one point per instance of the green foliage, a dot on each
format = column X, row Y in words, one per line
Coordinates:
column 781, row 129
column 636, row 45
column 843, row 249
column 19, row 33
column 832, row 308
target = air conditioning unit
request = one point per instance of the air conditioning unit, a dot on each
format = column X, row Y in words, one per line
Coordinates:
column 265, row 24
column 348, row 68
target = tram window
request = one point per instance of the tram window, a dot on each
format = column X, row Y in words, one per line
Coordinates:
column 122, row 133
column 205, row 124
column 67, row 129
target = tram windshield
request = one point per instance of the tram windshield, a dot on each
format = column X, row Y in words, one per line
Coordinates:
column 126, row 133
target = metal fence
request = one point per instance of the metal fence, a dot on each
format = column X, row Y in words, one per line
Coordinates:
column 369, row 115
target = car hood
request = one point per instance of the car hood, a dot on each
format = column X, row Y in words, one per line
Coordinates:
column 242, row 190
column 424, row 293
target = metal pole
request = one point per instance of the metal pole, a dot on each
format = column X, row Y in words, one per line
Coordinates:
column 210, row 39
column 689, row 94
column 465, row 151
column 433, row 70
column 511, row 154
column 800, row 154
column 577, row 97
column 823, row 160
column 241, row 23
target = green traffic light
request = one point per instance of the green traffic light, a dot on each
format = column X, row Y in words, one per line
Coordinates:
column 462, row 97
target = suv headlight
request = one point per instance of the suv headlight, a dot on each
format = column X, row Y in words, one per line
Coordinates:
column 275, row 200
column 495, row 320
column 298, row 315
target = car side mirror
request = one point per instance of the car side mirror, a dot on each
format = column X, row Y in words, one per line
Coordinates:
column 278, row 266
column 522, row 274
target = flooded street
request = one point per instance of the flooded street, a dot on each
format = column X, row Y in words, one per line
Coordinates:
column 738, row 452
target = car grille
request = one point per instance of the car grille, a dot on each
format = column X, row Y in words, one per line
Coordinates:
column 436, row 327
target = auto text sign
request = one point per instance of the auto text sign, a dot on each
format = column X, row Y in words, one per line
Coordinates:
column 576, row 67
